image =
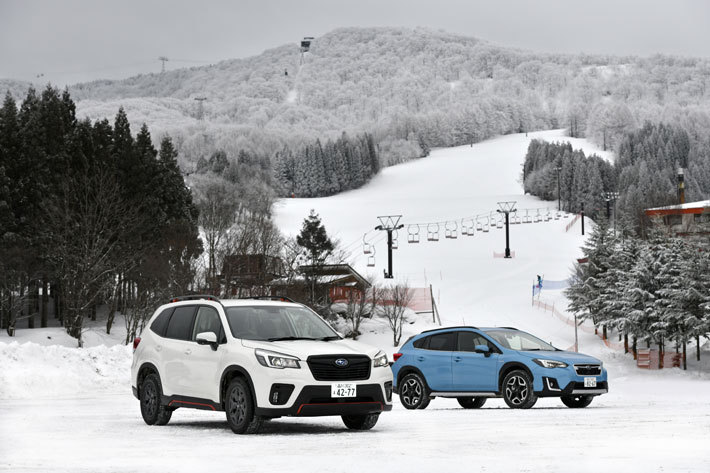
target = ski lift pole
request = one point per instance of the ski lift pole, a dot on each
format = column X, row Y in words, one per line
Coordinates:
column 389, row 223
column 506, row 208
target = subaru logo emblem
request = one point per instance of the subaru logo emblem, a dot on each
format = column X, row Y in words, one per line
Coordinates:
column 341, row 362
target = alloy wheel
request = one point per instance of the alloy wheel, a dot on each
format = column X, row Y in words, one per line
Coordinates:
column 516, row 390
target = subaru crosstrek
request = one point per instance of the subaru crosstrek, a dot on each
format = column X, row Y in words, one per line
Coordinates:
column 255, row 360
column 472, row 364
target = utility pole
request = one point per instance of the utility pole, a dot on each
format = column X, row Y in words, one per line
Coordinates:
column 200, row 108
column 609, row 197
column 389, row 223
column 582, row 218
column 163, row 59
column 506, row 208
column 558, row 169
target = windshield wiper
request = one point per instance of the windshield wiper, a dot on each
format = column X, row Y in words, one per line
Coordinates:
column 278, row 339
column 329, row 338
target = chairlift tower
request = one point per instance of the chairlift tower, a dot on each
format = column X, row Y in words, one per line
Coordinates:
column 389, row 224
column 507, row 208
column 200, row 108
column 163, row 59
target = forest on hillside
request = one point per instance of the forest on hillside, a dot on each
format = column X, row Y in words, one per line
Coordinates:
column 411, row 90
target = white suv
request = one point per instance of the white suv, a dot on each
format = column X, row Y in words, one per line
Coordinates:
column 255, row 359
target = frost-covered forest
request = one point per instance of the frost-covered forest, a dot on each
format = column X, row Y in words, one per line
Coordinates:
column 655, row 291
column 644, row 172
column 410, row 89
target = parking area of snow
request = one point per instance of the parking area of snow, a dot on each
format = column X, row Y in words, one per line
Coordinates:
column 659, row 422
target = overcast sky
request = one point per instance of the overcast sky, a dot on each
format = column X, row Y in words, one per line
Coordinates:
column 77, row 40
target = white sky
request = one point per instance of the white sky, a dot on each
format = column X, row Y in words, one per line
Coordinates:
column 77, row 40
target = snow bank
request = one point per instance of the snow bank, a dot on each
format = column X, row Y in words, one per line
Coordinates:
column 29, row 370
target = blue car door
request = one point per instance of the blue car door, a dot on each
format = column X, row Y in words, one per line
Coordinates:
column 434, row 360
column 473, row 371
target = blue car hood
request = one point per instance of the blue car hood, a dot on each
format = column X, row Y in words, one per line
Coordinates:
column 568, row 357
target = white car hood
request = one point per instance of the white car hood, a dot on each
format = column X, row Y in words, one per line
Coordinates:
column 305, row 348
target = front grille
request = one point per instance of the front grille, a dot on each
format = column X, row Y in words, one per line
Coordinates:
column 324, row 367
column 588, row 370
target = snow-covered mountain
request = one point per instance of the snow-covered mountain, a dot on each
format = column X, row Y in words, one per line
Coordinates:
column 411, row 87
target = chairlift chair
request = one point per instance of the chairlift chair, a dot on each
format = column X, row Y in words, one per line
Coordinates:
column 413, row 234
column 371, row 259
column 486, row 226
column 366, row 247
column 479, row 225
column 557, row 215
column 451, row 230
column 395, row 241
column 432, row 232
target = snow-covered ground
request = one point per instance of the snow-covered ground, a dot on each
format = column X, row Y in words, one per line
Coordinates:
column 67, row 409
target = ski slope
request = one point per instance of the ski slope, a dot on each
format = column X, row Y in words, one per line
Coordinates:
column 471, row 286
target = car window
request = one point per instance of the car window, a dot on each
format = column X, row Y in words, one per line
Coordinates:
column 181, row 323
column 160, row 324
column 469, row 340
column 269, row 322
column 207, row 320
column 442, row 341
column 421, row 343
column 518, row 340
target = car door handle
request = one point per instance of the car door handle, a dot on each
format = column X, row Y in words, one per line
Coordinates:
column 457, row 359
column 158, row 348
column 420, row 358
column 188, row 351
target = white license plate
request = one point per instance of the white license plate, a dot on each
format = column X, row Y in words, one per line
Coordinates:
column 590, row 382
column 343, row 390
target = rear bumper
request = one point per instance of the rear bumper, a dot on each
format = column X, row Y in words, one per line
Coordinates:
column 315, row 400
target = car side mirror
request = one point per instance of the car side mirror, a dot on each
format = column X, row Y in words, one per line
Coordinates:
column 485, row 349
column 207, row 338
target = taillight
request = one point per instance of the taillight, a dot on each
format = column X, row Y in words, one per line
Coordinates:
column 136, row 341
column 396, row 356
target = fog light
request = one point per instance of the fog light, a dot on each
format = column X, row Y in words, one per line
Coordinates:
column 388, row 391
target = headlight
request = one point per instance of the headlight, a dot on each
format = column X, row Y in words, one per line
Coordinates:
column 381, row 359
column 271, row 359
column 551, row 363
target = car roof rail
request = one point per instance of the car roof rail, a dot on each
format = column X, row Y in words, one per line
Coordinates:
column 272, row 298
column 509, row 328
column 446, row 328
column 195, row 297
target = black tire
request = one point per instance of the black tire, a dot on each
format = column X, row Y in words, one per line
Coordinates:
column 577, row 402
column 413, row 392
column 365, row 422
column 518, row 390
column 152, row 410
column 471, row 402
column 239, row 407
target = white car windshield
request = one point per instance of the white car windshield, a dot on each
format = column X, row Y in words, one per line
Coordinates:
column 517, row 340
column 273, row 323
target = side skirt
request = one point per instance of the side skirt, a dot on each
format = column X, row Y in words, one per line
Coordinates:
column 463, row 394
column 191, row 402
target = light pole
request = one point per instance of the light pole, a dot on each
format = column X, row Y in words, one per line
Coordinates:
column 506, row 208
column 558, row 169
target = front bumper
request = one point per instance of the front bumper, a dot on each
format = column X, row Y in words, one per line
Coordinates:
column 551, row 388
column 315, row 400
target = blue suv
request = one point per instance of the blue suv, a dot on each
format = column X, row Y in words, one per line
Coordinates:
column 472, row 364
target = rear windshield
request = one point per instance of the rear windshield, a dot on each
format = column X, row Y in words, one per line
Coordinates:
column 277, row 322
